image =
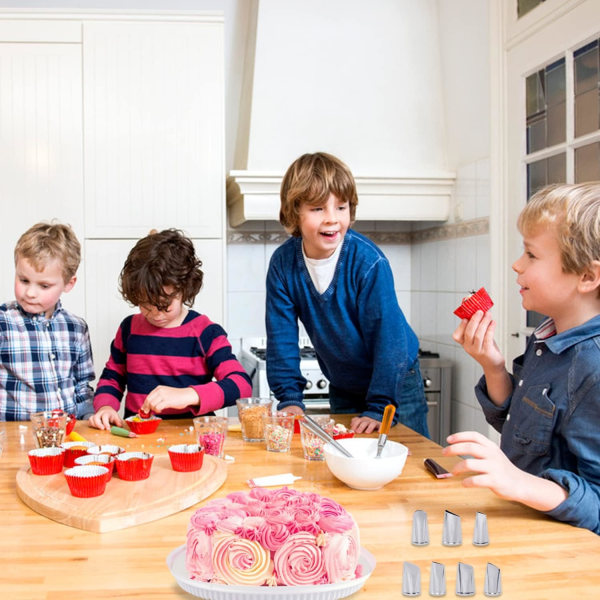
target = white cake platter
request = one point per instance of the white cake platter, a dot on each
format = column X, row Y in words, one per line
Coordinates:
column 217, row 591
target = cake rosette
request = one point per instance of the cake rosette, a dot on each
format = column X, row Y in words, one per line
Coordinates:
column 238, row 561
column 299, row 560
column 272, row 537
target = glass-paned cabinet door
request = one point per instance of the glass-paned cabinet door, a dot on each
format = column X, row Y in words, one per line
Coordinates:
column 524, row 6
column 562, row 109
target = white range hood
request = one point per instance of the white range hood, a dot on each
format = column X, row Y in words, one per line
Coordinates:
column 367, row 90
column 253, row 196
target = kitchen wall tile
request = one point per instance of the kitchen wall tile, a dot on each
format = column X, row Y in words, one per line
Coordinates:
column 483, row 260
column 428, row 267
column 404, row 300
column 399, row 257
column 246, row 314
column 427, row 303
column 465, row 266
column 446, row 261
column 445, row 319
column 246, row 267
column 415, row 271
column 269, row 250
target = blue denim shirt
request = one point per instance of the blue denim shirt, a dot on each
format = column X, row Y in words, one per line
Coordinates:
column 550, row 424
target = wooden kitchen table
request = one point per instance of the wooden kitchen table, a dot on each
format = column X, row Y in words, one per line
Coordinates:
column 539, row 558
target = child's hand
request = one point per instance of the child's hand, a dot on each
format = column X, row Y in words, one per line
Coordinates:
column 476, row 336
column 164, row 396
column 495, row 469
column 293, row 409
column 497, row 473
column 364, row 425
column 105, row 416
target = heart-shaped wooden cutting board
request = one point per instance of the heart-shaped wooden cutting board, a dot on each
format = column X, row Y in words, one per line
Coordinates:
column 124, row 503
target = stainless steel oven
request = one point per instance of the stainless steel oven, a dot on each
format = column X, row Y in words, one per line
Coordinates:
column 437, row 380
column 316, row 392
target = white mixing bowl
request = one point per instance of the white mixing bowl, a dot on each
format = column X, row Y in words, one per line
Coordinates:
column 364, row 471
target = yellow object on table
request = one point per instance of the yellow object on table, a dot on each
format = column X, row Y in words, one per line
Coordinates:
column 75, row 437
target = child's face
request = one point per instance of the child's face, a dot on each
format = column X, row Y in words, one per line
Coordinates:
column 545, row 287
column 38, row 291
column 173, row 316
column 323, row 227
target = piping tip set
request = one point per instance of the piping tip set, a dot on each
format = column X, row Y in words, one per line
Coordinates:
column 452, row 532
column 451, row 536
column 465, row 580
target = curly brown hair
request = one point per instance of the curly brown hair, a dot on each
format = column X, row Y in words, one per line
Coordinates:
column 309, row 180
column 160, row 260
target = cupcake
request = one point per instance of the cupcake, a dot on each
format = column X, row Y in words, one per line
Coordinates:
column 46, row 461
column 73, row 450
column 134, row 466
column 142, row 426
column 86, row 481
column 186, row 457
column 98, row 460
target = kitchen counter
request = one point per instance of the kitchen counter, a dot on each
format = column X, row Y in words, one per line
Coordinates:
column 539, row 558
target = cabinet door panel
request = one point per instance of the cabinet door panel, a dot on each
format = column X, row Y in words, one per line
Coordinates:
column 41, row 165
column 153, row 126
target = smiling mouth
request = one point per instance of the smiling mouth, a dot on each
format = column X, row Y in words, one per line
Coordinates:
column 329, row 234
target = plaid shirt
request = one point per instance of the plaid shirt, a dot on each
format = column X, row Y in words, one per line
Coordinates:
column 44, row 363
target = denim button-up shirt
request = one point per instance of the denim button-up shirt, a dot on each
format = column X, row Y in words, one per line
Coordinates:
column 550, row 424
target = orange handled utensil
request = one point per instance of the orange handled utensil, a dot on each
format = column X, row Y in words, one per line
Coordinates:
column 384, row 429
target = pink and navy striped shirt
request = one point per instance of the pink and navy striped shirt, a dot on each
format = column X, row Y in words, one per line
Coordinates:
column 196, row 354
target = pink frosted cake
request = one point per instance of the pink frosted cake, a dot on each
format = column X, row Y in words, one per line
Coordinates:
column 272, row 537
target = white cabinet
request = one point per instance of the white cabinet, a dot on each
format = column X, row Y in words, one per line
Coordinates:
column 114, row 124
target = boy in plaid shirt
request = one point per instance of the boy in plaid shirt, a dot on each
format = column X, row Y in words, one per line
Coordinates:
column 45, row 352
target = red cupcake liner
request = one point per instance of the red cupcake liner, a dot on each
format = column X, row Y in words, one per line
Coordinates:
column 342, row 436
column 46, row 461
column 74, row 450
column 134, row 466
column 186, row 457
column 99, row 460
column 477, row 301
column 143, row 426
column 86, row 481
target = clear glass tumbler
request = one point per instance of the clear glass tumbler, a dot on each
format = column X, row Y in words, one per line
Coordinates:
column 312, row 445
column 278, row 431
column 211, row 432
column 250, row 412
column 48, row 428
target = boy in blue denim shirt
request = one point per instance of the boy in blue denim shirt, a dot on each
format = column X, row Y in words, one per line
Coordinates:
column 548, row 410
column 340, row 285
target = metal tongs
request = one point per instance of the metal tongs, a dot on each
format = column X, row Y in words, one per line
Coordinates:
column 317, row 430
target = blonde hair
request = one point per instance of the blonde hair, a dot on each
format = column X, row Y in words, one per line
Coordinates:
column 310, row 179
column 573, row 210
column 44, row 242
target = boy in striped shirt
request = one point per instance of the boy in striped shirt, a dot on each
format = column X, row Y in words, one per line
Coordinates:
column 170, row 359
